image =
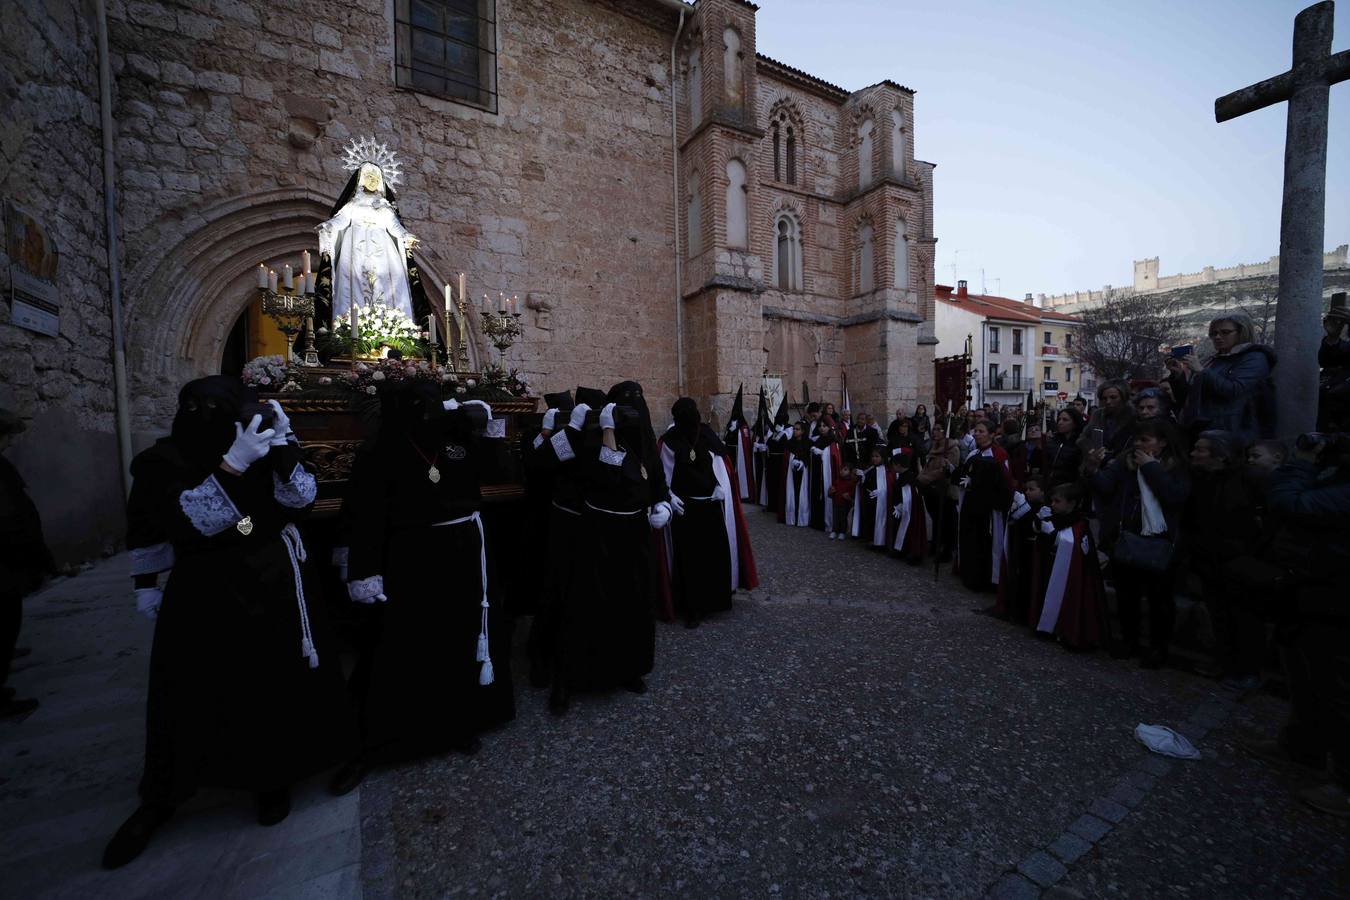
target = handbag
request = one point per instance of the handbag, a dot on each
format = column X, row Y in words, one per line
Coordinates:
column 1150, row 554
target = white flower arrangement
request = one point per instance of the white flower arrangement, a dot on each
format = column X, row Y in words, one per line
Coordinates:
column 268, row 373
column 380, row 326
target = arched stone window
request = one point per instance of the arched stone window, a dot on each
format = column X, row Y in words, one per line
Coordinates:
column 791, row 156
column 731, row 66
column 901, row 255
column 694, row 217
column 738, row 218
column 785, row 129
column 897, row 143
column 787, row 253
column 866, row 259
column 865, row 154
column 777, row 148
column 695, row 87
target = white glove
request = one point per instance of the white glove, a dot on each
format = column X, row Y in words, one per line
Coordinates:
column 871, row 495
column 1044, row 512
column 676, row 504
column 281, row 424
column 733, row 425
column 965, row 481
column 798, row 465
column 818, row 451
column 607, row 416
column 249, row 446
column 148, row 600
column 1047, row 527
column 659, row 515
column 898, row 511
column 550, row 418
column 717, row 493
column 760, row 448
column 578, row 416
column 450, row 405
column 367, row 590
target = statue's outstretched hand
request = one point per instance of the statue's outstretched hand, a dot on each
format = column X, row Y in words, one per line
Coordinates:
column 412, row 242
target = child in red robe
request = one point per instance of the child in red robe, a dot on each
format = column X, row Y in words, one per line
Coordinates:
column 1073, row 606
column 841, row 495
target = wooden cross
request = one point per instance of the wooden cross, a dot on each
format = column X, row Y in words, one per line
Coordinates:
column 1307, row 88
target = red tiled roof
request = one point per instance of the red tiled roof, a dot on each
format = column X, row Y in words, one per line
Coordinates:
column 990, row 306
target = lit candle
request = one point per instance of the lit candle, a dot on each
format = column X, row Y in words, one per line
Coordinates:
column 306, row 262
column 272, row 280
column 487, row 304
column 515, row 305
column 501, row 302
column 287, row 277
column 262, row 276
column 447, row 297
column 462, row 294
column 311, row 278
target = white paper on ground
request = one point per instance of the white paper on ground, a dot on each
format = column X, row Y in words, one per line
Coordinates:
column 1161, row 739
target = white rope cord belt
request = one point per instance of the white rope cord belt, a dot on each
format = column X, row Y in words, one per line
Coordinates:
column 485, row 674
column 295, row 549
column 636, row 512
column 557, row 505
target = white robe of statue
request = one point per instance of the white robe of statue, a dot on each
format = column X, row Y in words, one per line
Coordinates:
column 369, row 248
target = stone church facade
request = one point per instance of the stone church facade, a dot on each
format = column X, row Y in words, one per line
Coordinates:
column 783, row 228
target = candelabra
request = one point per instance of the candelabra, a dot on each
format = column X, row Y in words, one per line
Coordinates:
column 289, row 301
column 502, row 327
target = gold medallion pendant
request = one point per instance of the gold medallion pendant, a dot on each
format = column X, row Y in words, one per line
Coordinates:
column 245, row 526
column 433, row 475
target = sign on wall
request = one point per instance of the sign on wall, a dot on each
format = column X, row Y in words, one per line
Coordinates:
column 33, row 260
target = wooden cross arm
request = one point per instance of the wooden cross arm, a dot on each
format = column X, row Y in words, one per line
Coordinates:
column 1277, row 89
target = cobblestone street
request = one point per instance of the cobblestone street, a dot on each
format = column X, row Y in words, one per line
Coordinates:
column 850, row 728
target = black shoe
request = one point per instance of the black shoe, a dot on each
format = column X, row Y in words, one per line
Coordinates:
column 558, row 699
column 131, row 839
column 347, row 778
column 273, row 806
column 21, row 652
column 12, row 708
column 635, row 686
column 1124, row 651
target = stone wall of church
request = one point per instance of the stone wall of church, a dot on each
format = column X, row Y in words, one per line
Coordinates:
column 51, row 167
column 562, row 197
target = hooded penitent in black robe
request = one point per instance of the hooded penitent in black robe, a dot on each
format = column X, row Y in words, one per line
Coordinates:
column 245, row 686
column 568, row 583
column 423, row 682
column 610, row 638
column 701, row 567
column 820, row 484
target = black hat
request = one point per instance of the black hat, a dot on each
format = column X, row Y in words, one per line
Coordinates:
column 561, row 401
column 1338, row 308
column 592, row 397
column 762, row 414
column 783, row 416
column 738, row 408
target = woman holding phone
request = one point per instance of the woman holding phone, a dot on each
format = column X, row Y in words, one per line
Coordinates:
column 1230, row 392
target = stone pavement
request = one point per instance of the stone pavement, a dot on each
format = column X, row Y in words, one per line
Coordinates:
column 68, row 775
column 849, row 728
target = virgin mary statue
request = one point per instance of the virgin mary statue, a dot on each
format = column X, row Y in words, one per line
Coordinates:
column 365, row 253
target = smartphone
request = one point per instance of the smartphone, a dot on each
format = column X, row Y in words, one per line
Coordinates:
column 1096, row 438
column 249, row 410
column 1183, row 351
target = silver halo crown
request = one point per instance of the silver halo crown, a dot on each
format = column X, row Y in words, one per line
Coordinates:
column 358, row 153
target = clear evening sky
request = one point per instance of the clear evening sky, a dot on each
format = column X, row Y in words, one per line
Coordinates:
column 1074, row 137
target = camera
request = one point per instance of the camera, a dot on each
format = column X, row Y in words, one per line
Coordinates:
column 1183, row 351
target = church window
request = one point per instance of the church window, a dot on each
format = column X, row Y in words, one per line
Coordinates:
column 787, row 254
column 901, row 256
column 694, row 216
column 731, row 66
column 791, row 156
column 897, row 143
column 865, row 155
column 865, row 260
column 695, row 88
column 738, row 219
column 777, row 160
column 447, row 48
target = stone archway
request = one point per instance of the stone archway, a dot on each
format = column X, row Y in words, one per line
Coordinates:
column 183, row 302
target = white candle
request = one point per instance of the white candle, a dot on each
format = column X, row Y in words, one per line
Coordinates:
column 306, row 262
column 311, row 278
column 487, row 304
column 272, row 280
column 501, row 302
column 462, row 295
column 447, row 297
column 262, row 276
column 431, row 329
column 288, row 278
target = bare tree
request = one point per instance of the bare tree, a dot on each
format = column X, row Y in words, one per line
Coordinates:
column 1260, row 308
column 1122, row 337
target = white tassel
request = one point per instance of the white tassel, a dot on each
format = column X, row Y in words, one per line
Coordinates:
column 482, row 648
column 307, row 648
column 485, row 676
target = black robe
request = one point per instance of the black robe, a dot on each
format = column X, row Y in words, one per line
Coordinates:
column 983, row 504
column 417, row 679
column 819, row 489
column 234, row 700
column 858, row 444
column 701, row 570
column 774, row 462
